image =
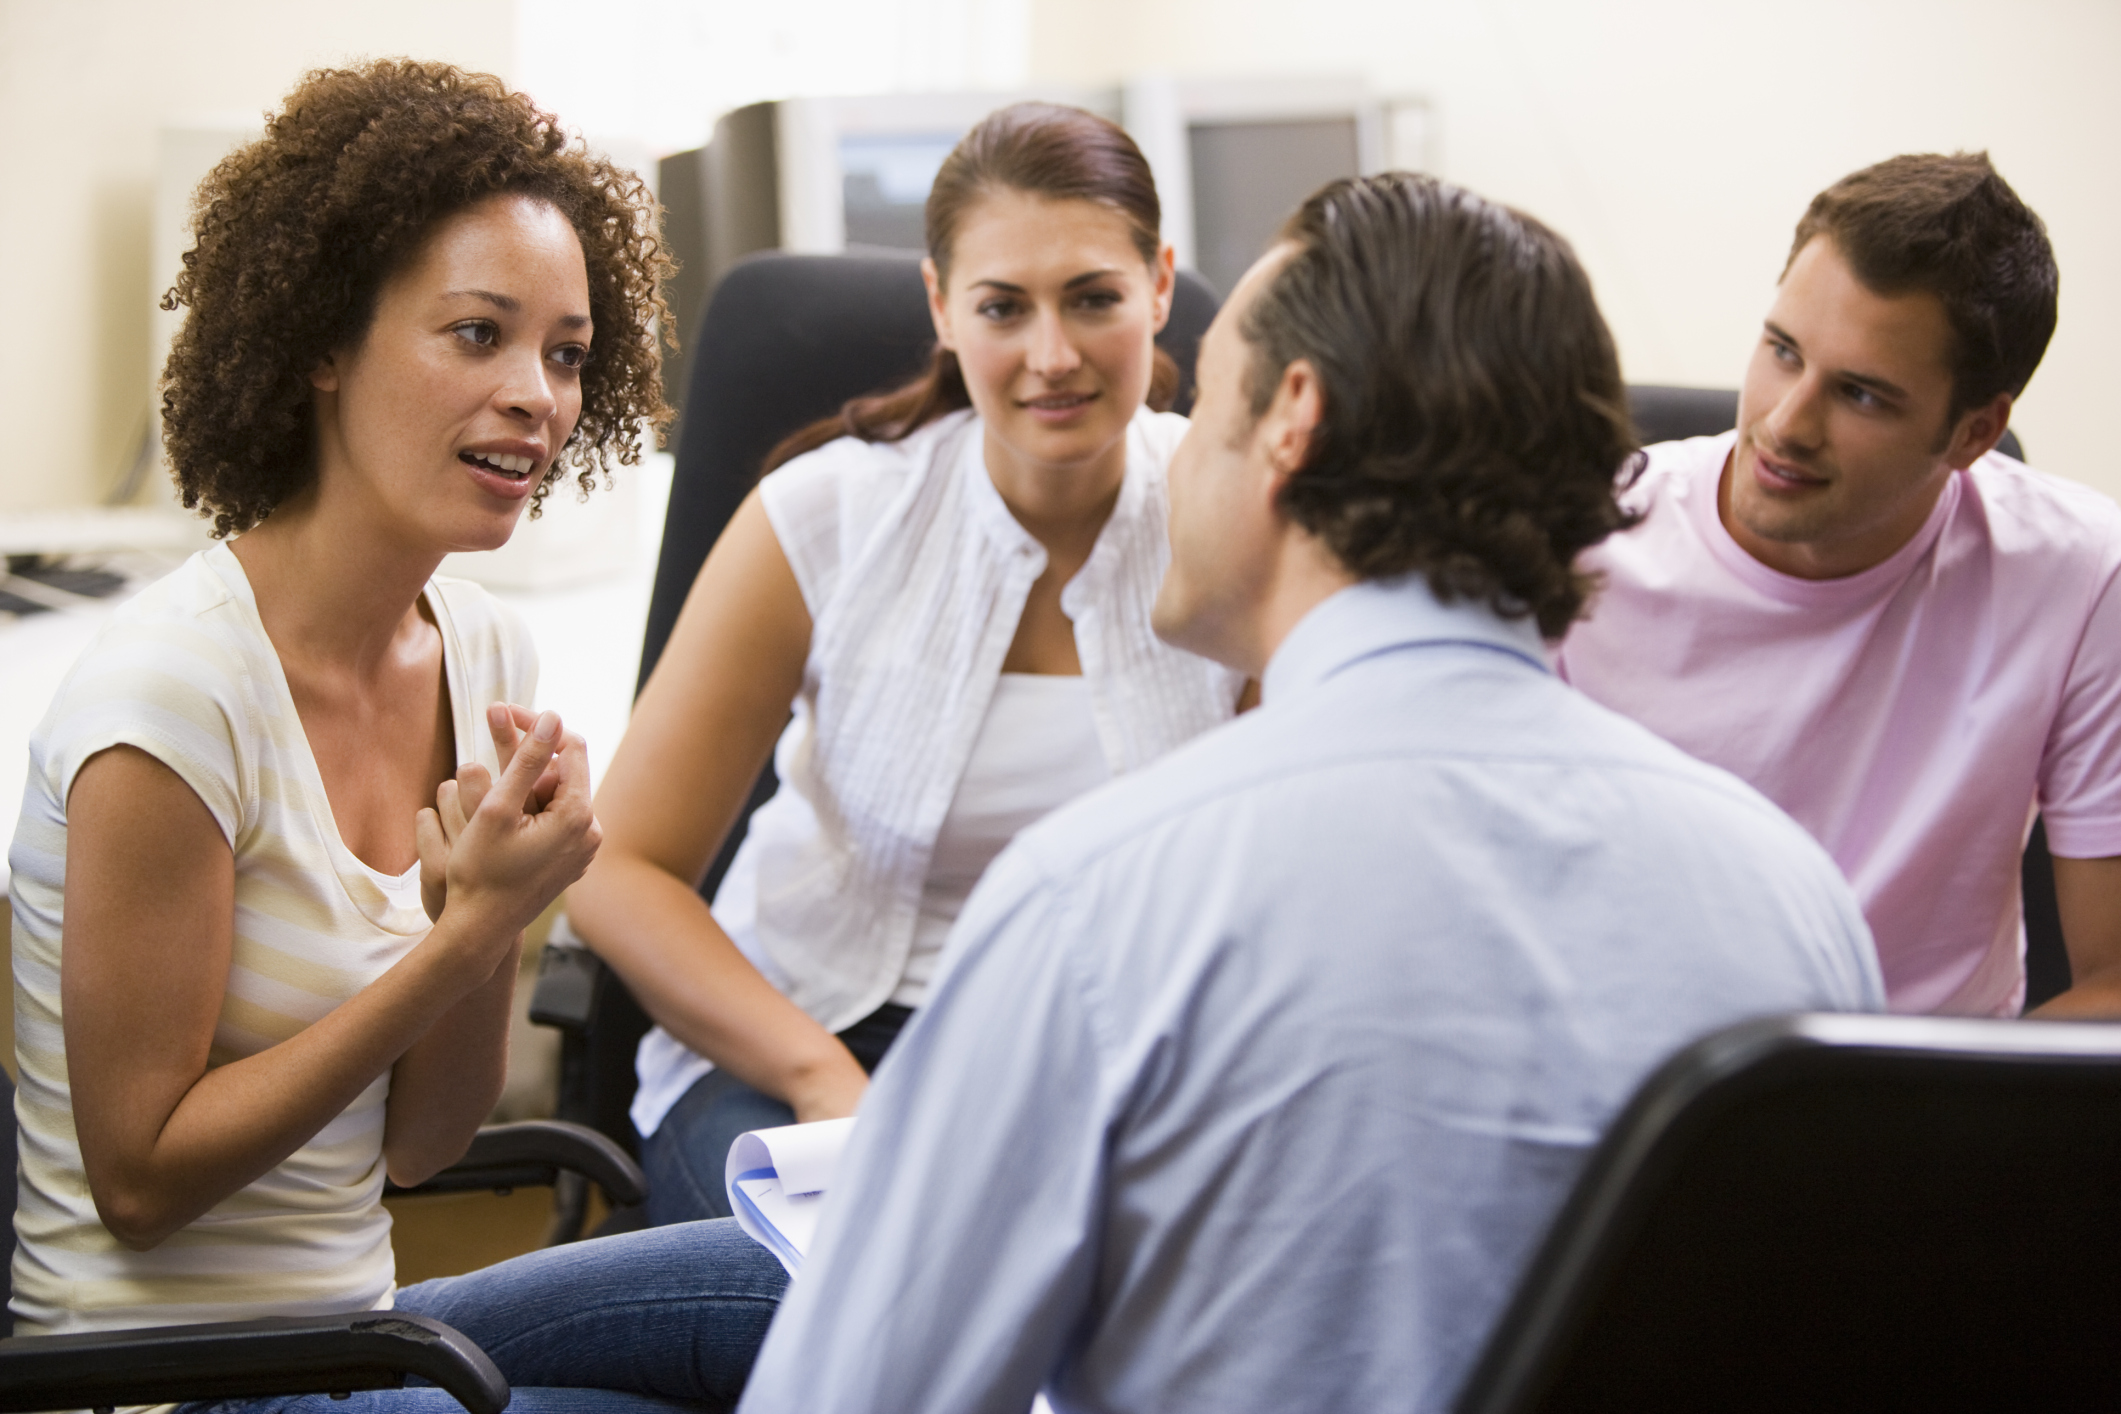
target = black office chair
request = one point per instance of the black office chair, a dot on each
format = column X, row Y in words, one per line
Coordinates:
column 786, row 339
column 333, row 1355
column 1829, row 1213
column 302, row 1354
column 1665, row 414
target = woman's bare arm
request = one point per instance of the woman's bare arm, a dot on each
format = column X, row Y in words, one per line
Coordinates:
column 447, row 1083
column 699, row 736
column 148, row 936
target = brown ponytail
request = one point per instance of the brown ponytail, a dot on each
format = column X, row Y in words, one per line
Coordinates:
column 1043, row 149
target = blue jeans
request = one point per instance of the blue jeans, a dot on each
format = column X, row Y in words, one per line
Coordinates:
column 644, row 1323
column 686, row 1157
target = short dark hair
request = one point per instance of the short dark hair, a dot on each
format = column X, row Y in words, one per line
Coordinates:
column 1475, row 426
column 1951, row 227
column 297, row 232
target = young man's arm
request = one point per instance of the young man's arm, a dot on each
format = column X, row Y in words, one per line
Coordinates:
column 2080, row 800
column 2088, row 893
column 961, row 1233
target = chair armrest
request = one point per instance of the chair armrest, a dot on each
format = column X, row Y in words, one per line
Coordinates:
column 246, row 1359
column 533, row 1153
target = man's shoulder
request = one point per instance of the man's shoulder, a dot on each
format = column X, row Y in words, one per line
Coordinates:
column 1671, row 469
column 1197, row 780
column 1666, row 538
column 2035, row 517
column 1378, row 799
column 1365, row 735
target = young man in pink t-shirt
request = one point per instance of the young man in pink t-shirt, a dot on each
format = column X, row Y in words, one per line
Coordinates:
column 1904, row 638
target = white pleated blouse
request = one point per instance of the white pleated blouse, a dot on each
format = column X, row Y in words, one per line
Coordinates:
column 915, row 575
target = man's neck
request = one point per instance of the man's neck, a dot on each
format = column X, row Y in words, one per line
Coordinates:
column 1305, row 574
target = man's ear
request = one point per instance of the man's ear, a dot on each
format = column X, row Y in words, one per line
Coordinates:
column 1289, row 426
column 1978, row 431
column 938, row 311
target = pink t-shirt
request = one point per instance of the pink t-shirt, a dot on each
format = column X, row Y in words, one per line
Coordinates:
column 1912, row 717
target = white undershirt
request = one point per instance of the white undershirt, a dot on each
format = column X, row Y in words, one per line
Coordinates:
column 403, row 890
column 1037, row 749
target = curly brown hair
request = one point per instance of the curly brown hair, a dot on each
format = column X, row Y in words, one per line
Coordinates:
column 1475, row 427
column 296, row 233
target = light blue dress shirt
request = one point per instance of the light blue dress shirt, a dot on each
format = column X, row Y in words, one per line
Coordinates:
column 1251, row 1080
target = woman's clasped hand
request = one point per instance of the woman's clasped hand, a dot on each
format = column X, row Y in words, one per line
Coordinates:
column 491, row 848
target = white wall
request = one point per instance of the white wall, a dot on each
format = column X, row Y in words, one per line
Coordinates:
column 661, row 71
column 1676, row 142
column 84, row 87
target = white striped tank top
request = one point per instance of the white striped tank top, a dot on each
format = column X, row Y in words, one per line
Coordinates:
column 186, row 673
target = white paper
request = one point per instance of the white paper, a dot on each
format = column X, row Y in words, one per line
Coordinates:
column 807, row 1155
column 776, row 1180
column 791, row 1218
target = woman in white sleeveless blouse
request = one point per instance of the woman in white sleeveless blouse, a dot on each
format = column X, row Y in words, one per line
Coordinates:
column 288, row 817
column 950, row 585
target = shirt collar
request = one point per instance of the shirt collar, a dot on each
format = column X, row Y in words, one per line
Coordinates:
column 1378, row 615
column 1115, row 541
column 989, row 511
column 1705, row 492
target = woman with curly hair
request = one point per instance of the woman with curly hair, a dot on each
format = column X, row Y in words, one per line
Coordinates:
column 287, row 818
column 950, row 582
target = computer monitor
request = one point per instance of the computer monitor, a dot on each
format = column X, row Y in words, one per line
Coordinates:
column 1233, row 156
column 854, row 173
column 884, row 182
column 818, row 176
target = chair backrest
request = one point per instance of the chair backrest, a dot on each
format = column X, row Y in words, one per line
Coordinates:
column 786, row 340
column 1834, row 1213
